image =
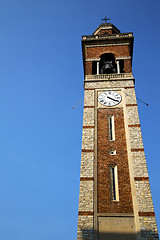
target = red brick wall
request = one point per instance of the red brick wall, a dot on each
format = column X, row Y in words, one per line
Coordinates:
column 88, row 68
column 105, row 204
column 127, row 66
column 117, row 51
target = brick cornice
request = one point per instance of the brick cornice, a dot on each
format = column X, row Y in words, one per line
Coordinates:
column 131, row 105
column 86, row 179
column 85, row 213
column 129, row 87
column 137, row 150
column 87, row 150
column 141, row 178
column 134, row 125
column 146, row 214
column 88, row 106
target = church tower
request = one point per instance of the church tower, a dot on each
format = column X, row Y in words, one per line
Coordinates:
column 115, row 199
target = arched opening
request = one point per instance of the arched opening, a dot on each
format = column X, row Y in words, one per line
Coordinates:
column 107, row 64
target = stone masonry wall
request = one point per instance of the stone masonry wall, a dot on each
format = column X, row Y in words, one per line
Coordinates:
column 110, row 84
column 87, row 159
column 143, row 194
column 148, row 228
column 88, row 116
column 144, row 198
column 139, row 164
column 86, row 197
column 88, row 138
column 135, row 137
column 85, row 228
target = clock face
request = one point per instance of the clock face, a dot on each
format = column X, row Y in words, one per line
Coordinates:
column 109, row 98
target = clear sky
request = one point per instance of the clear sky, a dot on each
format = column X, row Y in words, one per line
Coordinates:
column 41, row 79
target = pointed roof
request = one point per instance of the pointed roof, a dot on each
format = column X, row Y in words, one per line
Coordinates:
column 106, row 28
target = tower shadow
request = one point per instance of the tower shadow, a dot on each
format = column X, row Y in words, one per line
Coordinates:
column 88, row 234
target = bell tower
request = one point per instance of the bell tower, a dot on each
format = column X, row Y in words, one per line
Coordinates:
column 115, row 199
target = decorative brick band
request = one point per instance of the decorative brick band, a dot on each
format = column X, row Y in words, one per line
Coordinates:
column 131, row 105
column 86, row 179
column 88, row 106
column 134, row 125
column 87, row 150
column 141, row 178
column 82, row 213
column 88, row 126
column 89, row 89
column 129, row 87
column 146, row 214
column 137, row 150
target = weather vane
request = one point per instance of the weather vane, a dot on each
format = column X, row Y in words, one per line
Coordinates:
column 105, row 19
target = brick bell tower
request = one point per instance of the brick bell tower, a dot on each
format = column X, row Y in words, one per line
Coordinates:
column 115, row 199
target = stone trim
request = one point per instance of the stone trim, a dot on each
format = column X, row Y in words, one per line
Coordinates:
column 141, row 178
column 134, row 125
column 131, row 105
column 86, row 178
column 98, row 59
column 87, row 213
column 87, row 150
column 146, row 214
column 88, row 106
column 92, row 59
column 105, row 37
column 88, row 126
column 137, row 150
column 107, row 45
column 109, row 77
column 119, row 58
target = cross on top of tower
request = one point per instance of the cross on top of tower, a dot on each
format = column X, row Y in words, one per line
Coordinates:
column 105, row 19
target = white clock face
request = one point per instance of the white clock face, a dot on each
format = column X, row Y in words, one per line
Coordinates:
column 109, row 98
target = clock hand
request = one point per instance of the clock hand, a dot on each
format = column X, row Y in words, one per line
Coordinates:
column 112, row 99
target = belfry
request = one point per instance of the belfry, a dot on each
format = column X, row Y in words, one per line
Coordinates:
column 115, row 200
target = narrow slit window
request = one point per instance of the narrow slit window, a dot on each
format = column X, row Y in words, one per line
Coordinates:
column 114, row 183
column 111, row 131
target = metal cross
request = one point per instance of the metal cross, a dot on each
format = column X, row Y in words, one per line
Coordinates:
column 105, row 19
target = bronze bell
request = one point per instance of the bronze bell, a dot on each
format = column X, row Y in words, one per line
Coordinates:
column 107, row 65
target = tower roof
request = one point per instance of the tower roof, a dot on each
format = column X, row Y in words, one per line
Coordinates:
column 106, row 28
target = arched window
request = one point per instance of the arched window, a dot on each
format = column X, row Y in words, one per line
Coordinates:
column 107, row 64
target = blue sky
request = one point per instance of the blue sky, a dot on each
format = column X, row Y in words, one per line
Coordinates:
column 41, row 79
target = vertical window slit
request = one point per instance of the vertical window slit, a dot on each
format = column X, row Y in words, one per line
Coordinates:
column 111, row 132
column 110, row 128
column 114, row 183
